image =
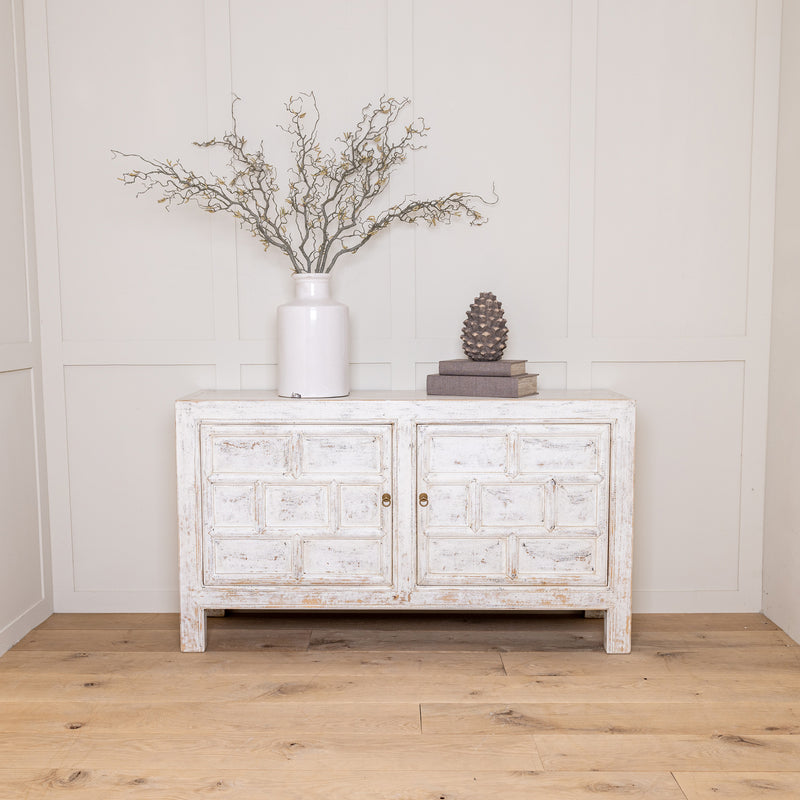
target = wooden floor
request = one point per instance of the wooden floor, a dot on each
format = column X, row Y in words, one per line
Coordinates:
column 407, row 707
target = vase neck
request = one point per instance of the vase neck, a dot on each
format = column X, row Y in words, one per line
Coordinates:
column 312, row 285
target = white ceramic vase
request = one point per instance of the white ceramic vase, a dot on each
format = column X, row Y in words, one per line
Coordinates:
column 313, row 341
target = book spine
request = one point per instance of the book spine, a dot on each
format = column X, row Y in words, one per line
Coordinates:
column 464, row 366
column 482, row 386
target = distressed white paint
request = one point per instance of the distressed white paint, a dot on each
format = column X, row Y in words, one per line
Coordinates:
column 454, row 561
column 511, row 481
column 388, row 500
column 310, row 503
column 341, row 561
column 558, row 557
column 248, row 560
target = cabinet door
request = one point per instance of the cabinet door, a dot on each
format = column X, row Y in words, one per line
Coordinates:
column 296, row 504
column 513, row 504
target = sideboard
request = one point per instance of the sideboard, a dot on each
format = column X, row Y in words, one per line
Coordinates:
column 399, row 500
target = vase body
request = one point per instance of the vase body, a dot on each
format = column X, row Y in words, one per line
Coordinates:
column 313, row 341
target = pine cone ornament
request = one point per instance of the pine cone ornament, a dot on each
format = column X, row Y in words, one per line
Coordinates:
column 485, row 331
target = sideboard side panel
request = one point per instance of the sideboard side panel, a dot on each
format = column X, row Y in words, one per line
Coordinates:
column 618, row 615
column 187, row 442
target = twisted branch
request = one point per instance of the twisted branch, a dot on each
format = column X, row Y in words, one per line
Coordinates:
column 329, row 194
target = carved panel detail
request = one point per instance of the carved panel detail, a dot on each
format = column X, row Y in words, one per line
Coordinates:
column 517, row 504
column 531, row 507
column 263, row 454
column 475, row 558
column 234, row 505
column 271, row 557
column 296, row 504
column 557, row 556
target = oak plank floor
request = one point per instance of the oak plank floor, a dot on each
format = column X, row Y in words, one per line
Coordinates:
column 255, row 784
column 401, row 707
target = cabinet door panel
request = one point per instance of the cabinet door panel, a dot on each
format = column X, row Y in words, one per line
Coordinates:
column 288, row 504
column 340, row 453
column 342, row 560
column 551, row 454
column 297, row 506
column 252, row 557
column 556, row 556
column 470, row 452
column 360, row 506
column 449, row 506
column 577, row 505
column 266, row 454
column 469, row 557
column 234, row 505
column 516, row 503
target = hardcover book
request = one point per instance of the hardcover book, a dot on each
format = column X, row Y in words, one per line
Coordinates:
column 483, row 385
column 465, row 366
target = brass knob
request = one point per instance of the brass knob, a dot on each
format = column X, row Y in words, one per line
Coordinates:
column 423, row 499
column 386, row 500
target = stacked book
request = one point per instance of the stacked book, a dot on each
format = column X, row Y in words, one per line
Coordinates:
column 502, row 378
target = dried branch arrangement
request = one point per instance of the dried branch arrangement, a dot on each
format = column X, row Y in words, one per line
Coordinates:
column 329, row 208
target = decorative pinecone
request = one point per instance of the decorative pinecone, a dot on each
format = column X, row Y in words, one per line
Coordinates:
column 485, row 331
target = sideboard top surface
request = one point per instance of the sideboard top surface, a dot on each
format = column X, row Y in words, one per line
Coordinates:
column 546, row 395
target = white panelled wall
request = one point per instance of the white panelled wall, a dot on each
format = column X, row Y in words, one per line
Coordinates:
column 633, row 147
column 25, row 583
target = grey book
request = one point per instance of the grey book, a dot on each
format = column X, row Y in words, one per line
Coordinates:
column 483, row 385
column 465, row 366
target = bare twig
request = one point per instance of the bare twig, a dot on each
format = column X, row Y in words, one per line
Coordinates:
column 325, row 214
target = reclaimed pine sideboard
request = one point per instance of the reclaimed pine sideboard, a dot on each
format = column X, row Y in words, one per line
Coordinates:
column 399, row 500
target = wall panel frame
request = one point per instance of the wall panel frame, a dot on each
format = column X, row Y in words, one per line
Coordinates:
column 27, row 597
column 398, row 352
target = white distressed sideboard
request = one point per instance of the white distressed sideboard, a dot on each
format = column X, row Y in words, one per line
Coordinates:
column 398, row 500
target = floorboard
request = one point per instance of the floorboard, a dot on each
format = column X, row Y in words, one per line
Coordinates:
column 257, row 784
column 413, row 706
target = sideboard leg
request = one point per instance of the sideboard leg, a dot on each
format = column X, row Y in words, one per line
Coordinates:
column 618, row 629
column 193, row 629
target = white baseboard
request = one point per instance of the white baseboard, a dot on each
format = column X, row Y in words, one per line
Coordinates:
column 696, row 602
column 129, row 602
column 788, row 623
column 24, row 624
